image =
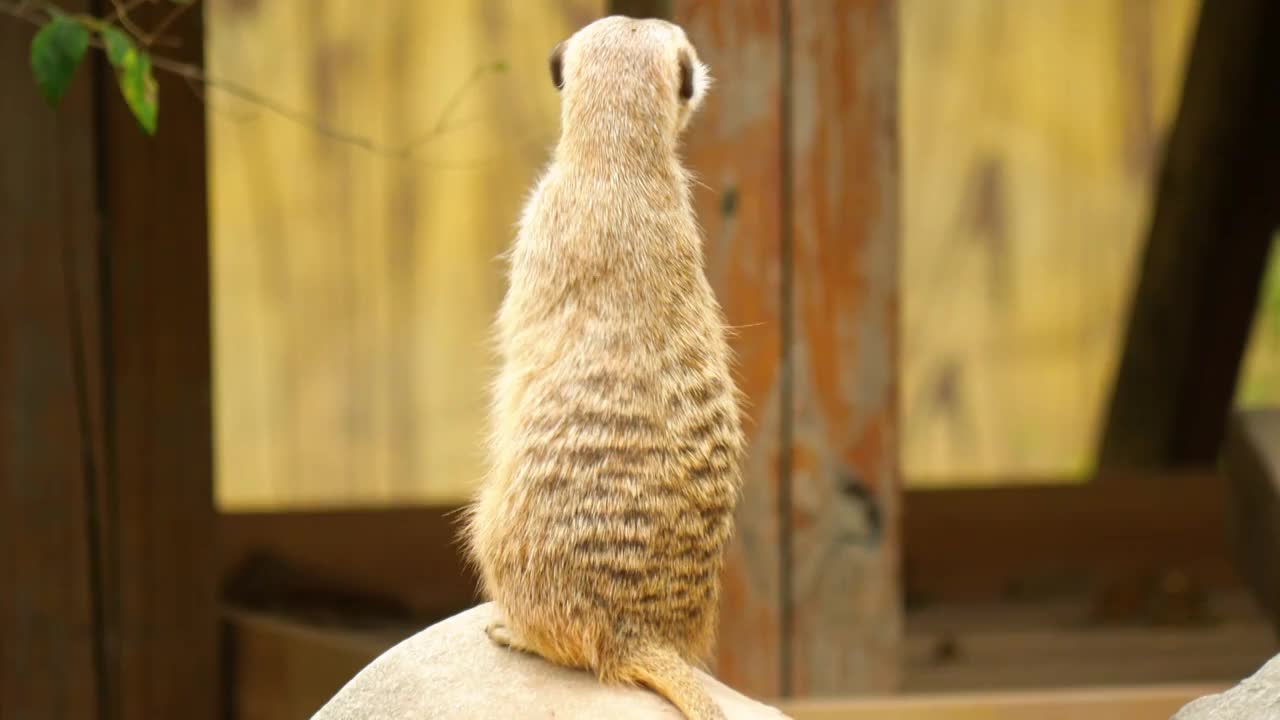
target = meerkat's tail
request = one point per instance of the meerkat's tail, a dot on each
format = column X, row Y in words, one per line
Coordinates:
column 666, row 673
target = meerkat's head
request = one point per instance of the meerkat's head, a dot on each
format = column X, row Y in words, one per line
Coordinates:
column 620, row 73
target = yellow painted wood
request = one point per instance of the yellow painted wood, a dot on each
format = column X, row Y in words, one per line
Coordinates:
column 353, row 292
column 1031, row 135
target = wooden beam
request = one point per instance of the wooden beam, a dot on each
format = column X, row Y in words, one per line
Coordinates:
column 158, row 496
column 107, row 429
column 842, row 602
column 406, row 560
column 734, row 147
column 1215, row 211
column 52, row 653
column 1251, row 466
column 1137, row 703
column 1020, row 541
column 1025, row 542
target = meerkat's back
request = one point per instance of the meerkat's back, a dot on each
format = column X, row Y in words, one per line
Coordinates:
column 601, row 528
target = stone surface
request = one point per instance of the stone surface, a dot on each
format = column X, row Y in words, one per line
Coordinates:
column 1256, row 698
column 452, row 670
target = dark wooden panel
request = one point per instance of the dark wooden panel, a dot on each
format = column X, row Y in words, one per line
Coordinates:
column 285, row 669
column 1216, row 208
column 843, row 346
column 1007, row 542
column 1251, row 467
column 407, row 558
column 51, row 654
column 159, row 504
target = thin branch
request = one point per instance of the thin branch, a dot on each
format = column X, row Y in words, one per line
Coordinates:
column 195, row 76
column 120, row 12
column 119, row 8
column 452, row 105
column 174, row 13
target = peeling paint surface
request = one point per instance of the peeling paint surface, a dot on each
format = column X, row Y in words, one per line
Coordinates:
column 844, row 480
column 810, row 599
column 734, row 148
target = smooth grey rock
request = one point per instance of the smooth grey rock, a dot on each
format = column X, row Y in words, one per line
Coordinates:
column 1256, row 698
column 452, row 670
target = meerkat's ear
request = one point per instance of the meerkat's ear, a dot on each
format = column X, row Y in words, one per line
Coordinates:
column 694, row 80
column 557, row 65
column 686, row 76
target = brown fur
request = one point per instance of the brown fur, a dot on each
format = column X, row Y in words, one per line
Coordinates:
column 600, row 531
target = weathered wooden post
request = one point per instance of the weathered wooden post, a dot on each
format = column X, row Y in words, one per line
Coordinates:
column 798, row 154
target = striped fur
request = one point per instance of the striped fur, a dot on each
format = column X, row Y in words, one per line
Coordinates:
column 616, row 441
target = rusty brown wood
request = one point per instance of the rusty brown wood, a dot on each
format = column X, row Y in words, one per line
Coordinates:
column 734, row 147
column 51, row 653
column 843, row 224
column 159, row 502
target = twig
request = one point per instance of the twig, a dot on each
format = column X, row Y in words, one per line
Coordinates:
column 195, row 76
column 174, row 14
column 121, row 13
column 119, row 8
column 449, row 108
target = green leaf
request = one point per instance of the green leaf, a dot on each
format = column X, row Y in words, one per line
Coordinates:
column 56, row 51
column 118, row 45
column 133, row 75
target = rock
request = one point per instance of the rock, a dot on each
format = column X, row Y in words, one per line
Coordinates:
column 452, row 670
column 1256, row 698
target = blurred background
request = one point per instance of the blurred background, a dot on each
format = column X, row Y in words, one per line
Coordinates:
column 349, row 285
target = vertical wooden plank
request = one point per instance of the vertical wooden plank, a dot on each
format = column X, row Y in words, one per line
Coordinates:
column 1215, row 213
column 158, row 505
column 734, row 148
column 50, row 652
column 843, row 223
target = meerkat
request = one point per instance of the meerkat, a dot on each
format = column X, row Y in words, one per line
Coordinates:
column 600, row 530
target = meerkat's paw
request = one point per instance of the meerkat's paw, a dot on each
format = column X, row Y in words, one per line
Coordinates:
column 498, row 633
column 502, row 636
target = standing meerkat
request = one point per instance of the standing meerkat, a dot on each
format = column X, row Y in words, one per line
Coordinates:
column 616, row 441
